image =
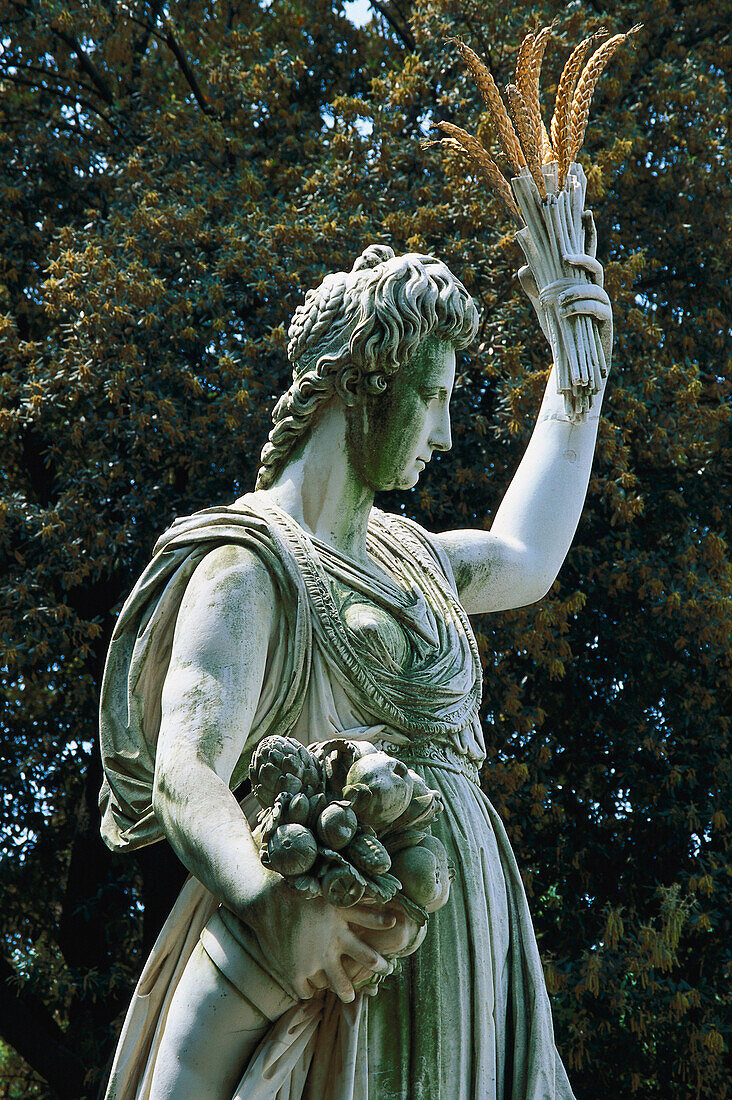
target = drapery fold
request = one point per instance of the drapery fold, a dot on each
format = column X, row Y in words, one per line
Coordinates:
column 467, row 1017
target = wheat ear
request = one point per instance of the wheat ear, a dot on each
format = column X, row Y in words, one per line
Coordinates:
column 561, row 120
column 530, row 138
column 461, row 142
column 492, row 97
column 540, row 43
column 524, row 78
column 586, row 87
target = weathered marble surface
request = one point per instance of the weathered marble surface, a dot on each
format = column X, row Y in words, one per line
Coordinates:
column 302, row 610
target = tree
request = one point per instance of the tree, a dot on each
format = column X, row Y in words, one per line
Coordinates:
column 175, row 177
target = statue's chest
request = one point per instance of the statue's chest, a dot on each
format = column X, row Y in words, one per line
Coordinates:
column 372, row 631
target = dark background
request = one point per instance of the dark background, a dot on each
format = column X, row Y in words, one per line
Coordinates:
column 172, row 178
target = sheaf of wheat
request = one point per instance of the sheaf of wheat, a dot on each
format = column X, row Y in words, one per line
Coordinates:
column 528, row 132
column 541, row 41
column 586, row 87
column 488, row 89
column 520, row 130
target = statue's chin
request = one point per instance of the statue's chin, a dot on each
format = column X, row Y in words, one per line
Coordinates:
column 406, row 481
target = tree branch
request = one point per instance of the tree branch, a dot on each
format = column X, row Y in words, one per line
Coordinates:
column 70, row 82
column 86, row 64
column 185, row 68
column 75, row 99
column 169, row 40
column 140, row 43
column 400, row 29
column 28, row 1026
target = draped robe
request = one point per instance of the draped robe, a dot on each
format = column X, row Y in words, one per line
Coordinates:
column 391, row 659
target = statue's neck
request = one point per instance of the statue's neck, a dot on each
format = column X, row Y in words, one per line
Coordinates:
column 321, row 490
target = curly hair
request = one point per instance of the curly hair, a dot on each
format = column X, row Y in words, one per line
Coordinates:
column 356, row 330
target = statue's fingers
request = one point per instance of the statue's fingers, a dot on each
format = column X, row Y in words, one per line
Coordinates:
column 587, row 307
column 363, row 953
column 367, row 916
column 339, row 981
column 587, row 263
column 588, row 224
column 317, row 981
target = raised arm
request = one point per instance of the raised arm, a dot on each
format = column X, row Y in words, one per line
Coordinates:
column 517, row 561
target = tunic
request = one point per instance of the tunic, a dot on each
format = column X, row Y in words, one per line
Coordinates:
column 392, row 660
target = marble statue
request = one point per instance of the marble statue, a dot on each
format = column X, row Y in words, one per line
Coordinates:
column 304, row 632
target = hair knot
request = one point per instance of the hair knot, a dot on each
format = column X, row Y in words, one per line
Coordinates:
column 356, row 330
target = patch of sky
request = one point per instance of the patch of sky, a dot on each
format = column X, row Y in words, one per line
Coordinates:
column 697, row 841
column 358, row 11
column 364, row 126
column 425, row 122
column 623, row 804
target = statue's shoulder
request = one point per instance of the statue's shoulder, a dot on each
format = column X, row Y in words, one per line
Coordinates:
column 413, row 538
column 238, row 537
column 234, row 575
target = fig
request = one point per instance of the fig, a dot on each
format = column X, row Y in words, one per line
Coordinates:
column 299, row 809
column 337, row 825
column 292, row 850
column 317, row 803
column 379, row 788
column 424, row 873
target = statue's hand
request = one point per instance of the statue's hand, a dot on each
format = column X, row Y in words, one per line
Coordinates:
column 309, row 941
column 588, row 299
column 403, row 938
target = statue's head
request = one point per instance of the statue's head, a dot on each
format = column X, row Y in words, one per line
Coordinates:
column 381, row 339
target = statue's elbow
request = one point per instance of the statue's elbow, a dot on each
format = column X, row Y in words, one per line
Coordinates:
column 537, row 586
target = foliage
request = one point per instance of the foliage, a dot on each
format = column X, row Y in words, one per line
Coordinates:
column 174, row 177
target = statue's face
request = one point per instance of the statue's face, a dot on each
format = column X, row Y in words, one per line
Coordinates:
column 391, row 436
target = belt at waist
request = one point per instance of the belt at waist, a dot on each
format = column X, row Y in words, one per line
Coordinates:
column 435, row 754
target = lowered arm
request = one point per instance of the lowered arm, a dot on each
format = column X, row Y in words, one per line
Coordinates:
column 209, row 700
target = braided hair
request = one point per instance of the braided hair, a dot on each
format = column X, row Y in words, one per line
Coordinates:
column 356, row 330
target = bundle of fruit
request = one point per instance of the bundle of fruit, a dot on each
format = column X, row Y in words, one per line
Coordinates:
column 344, row 821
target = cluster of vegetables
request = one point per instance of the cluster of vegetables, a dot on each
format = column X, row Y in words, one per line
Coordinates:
column 344, row 821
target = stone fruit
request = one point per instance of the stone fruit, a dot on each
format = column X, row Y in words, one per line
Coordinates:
column 424, row 873
column 379, row 788
column 368, row 854
column 298, row 810
column 292, row 850
column 337, row 825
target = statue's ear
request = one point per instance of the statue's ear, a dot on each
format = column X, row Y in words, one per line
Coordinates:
column 347, row 385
